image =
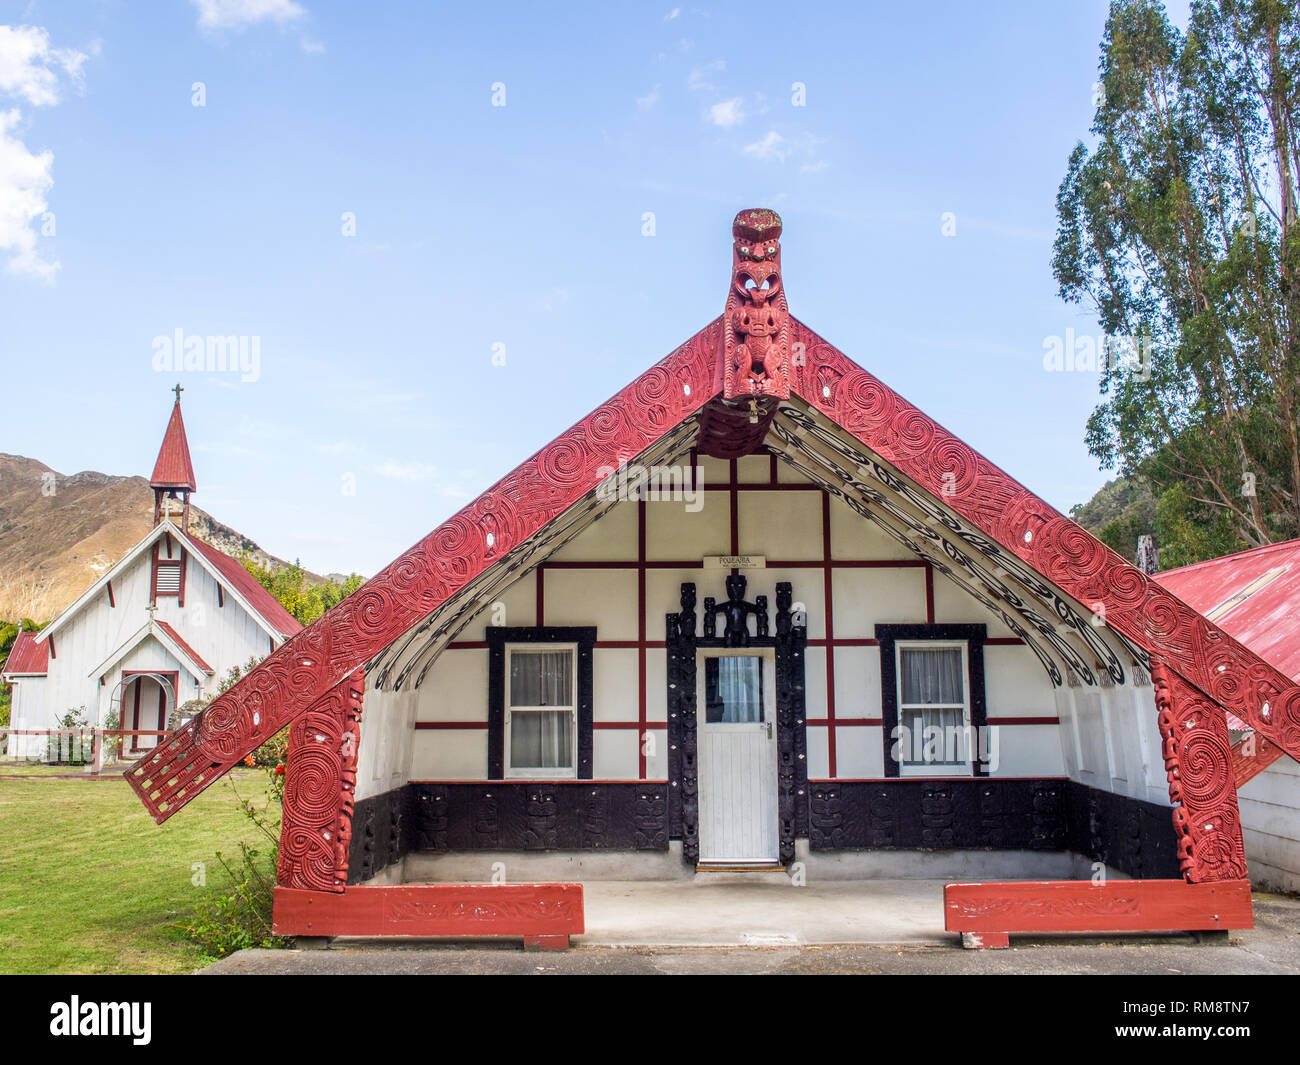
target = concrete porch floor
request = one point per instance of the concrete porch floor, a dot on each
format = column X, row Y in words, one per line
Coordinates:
column 717, row 910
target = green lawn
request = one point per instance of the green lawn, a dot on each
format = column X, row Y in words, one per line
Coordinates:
column 89, row 884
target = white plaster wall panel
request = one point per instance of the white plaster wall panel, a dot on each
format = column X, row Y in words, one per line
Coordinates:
column 456, row 688
column 1272, row 860
column 387, row 726
column 449, row 754
column 954, row 605
column 807, row 586
column 780, row 525
column 616, row 754
column 815, row 681
column 656, row 761
column 864, row 598
column 853, row 537
column 611, row 538
column 859, row 752
column 656, row 677
column 663, row 595
column 1028, row 751
column 674, row 533
column 818, row 758
column 614, row 682
column 605, row 598
column 754, row 469
column 518, row 607
column 1015, row 683
column 1069, row 733
column 857, row 682
column 713, row 471
column 787, row 474
column 1092, row 737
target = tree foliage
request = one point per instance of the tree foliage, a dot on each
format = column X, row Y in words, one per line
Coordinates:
column 1179, row 227
column 304, row 600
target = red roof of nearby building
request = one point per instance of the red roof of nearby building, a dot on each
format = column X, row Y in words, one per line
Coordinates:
column 174, row 468
column 27, row 657
column 175, row 636
column 1253, row 596
column 267, row 606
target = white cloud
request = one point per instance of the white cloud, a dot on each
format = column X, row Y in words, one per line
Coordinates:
column 728, row 113
column 240, row 14
column 771, row 146
column 411, row 472
column 647, row 102
column 27, row 65
column 25, row 179
column 814, row 167
column 699, row 78
column 312, row 47
column 672, row 14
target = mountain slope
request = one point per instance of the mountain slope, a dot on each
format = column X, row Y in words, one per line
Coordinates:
column 59, row 534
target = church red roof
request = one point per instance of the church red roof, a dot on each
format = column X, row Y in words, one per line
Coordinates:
column 262, row 601
column 1253, row 596
column 27, row 657
column 174, row 468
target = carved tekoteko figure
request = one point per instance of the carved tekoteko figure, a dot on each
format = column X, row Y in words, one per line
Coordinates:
column 735, row 613
column 756, row 332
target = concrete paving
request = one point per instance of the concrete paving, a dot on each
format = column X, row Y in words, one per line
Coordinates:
column 726, row 918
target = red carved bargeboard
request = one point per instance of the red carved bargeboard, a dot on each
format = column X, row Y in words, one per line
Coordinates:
column 991, row 910
column 1198, row 762
column 320, row 790
column 300, row 674
column 533, row 911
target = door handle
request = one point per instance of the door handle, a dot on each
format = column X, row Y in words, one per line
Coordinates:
column 769, row 730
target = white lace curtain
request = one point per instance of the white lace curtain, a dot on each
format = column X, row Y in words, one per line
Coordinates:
column 933, row 676
column 541, row 678
column 541, row 739
column 739, row 689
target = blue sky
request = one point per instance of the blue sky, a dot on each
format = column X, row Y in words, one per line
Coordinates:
column 479, row 225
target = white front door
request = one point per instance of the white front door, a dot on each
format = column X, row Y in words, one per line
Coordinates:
column 736, row 719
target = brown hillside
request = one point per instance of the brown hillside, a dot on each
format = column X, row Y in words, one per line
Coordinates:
column 59, row 534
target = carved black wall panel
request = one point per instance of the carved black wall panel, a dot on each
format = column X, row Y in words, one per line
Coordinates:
column 381, row 834
column 1130, row 835
column 497, row 638
column 789, row 643
column 958, row 813
column 888, row 635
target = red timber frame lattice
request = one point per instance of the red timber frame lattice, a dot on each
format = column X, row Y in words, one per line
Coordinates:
column 1207, row 670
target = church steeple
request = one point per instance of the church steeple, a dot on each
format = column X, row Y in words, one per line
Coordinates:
column 173, row 473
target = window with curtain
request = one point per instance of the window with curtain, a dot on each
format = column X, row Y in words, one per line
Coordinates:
column 541, row 714
column 932, row 694
column 733, row 689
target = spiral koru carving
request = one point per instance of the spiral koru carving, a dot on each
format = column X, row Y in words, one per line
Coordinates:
column 1198, row 763
column 320, row 790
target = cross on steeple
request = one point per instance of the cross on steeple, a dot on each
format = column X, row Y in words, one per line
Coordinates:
column 178, row 390
column 152, row 609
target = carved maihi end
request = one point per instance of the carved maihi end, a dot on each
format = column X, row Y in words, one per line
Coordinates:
column 756, row 333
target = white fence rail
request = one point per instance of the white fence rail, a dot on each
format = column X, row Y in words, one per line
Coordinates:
column 87, row 748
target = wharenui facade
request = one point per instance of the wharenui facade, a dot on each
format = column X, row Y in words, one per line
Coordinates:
column 160, row 628
column 755, row 611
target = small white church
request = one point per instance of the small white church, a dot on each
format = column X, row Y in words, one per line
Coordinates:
column 160, row 628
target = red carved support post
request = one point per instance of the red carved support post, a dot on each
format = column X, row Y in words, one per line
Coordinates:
column 320, row 790
column 1198, row 761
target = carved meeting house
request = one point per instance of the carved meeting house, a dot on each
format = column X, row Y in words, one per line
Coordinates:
column 803, row 623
